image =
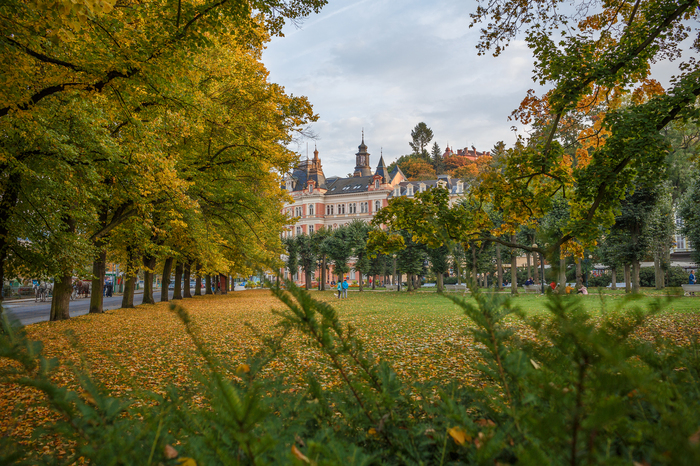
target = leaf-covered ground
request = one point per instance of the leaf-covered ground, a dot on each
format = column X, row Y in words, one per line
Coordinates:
column 146, row 348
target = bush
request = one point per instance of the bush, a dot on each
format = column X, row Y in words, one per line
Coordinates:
column 600, row 281
column 577, row 390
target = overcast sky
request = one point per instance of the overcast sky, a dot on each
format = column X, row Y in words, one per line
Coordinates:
column 386, row 65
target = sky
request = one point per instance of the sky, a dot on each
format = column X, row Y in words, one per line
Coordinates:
column 386, row 65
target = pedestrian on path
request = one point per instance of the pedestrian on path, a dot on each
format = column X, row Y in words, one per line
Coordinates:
column 340, row 288
column 345, row 288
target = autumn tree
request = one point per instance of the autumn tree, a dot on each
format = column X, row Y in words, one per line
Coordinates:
column 593, row 63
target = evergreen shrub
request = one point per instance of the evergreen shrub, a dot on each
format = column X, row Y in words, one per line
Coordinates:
column 577, row 390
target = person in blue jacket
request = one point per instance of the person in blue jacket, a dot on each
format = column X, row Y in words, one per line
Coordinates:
column 691, row 278
column 345, row 288
column 340, row 288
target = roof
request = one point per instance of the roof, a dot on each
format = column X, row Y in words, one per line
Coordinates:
column 355, row 184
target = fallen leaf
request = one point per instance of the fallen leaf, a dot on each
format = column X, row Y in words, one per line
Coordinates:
column 459, row 435
column 243, row 369
column 298, row 454
column 170, row 452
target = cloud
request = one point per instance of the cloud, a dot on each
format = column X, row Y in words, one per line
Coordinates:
column 385, row 66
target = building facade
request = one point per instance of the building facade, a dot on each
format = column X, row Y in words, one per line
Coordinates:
column 320, row 202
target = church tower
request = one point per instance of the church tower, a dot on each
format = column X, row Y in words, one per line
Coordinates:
column 362, row 167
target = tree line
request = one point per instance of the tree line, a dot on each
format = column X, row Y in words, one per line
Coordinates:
column 144, row 135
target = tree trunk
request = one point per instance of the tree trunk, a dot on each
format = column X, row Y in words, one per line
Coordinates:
column 165, row 281
column 658, row 272
column 62, row 289
column 197, row 281
column 409, row 281
column 393, row 277
column 613, row 282
column 207, row 284
column 307, row 279
column 529, row 266
column 149, row 265
column 536, row 260
column 128, row 296
column 562, row 274
column 440, row 282
column 499, row 268
column 374, row 282
column 513, row 269
column 474, row 266
column 359, row 273
column 98, row 279
column 323, row 273
column 186, row 274
column 635, row 276
column 8, row 201
column 579, row 274
column 177, row 292
column 628, row 285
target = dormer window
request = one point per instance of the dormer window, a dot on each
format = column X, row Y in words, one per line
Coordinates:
column 289, row 185
column 421, row 187
column 460, row 187
column 397, row 191
column 442, row 183
column 311, row 188
column 409, row 190
column 376, row 184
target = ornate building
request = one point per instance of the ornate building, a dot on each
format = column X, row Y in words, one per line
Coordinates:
column 319, row 202
column 331, row 202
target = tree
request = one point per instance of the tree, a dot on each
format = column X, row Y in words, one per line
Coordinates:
column 307, row 256
column 421, row 135
column 292, row 250
column 340, row 249
column 438, row 163
column 439, row 264
column 601, row 92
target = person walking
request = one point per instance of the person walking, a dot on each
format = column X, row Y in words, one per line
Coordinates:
column 345, row 288
column 340, row 288
column 691, row 278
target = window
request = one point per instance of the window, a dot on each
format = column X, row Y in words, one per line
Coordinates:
column 377, row 205
column 311, row 188
column 376, row 184
column 421, row 187
column 352, row 208
column 329, row 210
column 341, row 209
column 298, row 231
column 298, row 211
column 397, row 191
column 311, row 209
column 409, row 190
column 311, row 229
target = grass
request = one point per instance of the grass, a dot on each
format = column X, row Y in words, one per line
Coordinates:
column 131, row 350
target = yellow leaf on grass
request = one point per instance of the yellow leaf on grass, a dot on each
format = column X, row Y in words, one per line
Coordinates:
column 243, row 369
column 372, row 431
column 459, row 435
column 186, row 462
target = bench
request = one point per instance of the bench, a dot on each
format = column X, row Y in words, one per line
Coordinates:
column 456, row 288
column 532, row 288
column 688, row 289
column 390, row 287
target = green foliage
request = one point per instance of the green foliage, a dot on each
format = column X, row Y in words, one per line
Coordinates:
column 577, row 390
